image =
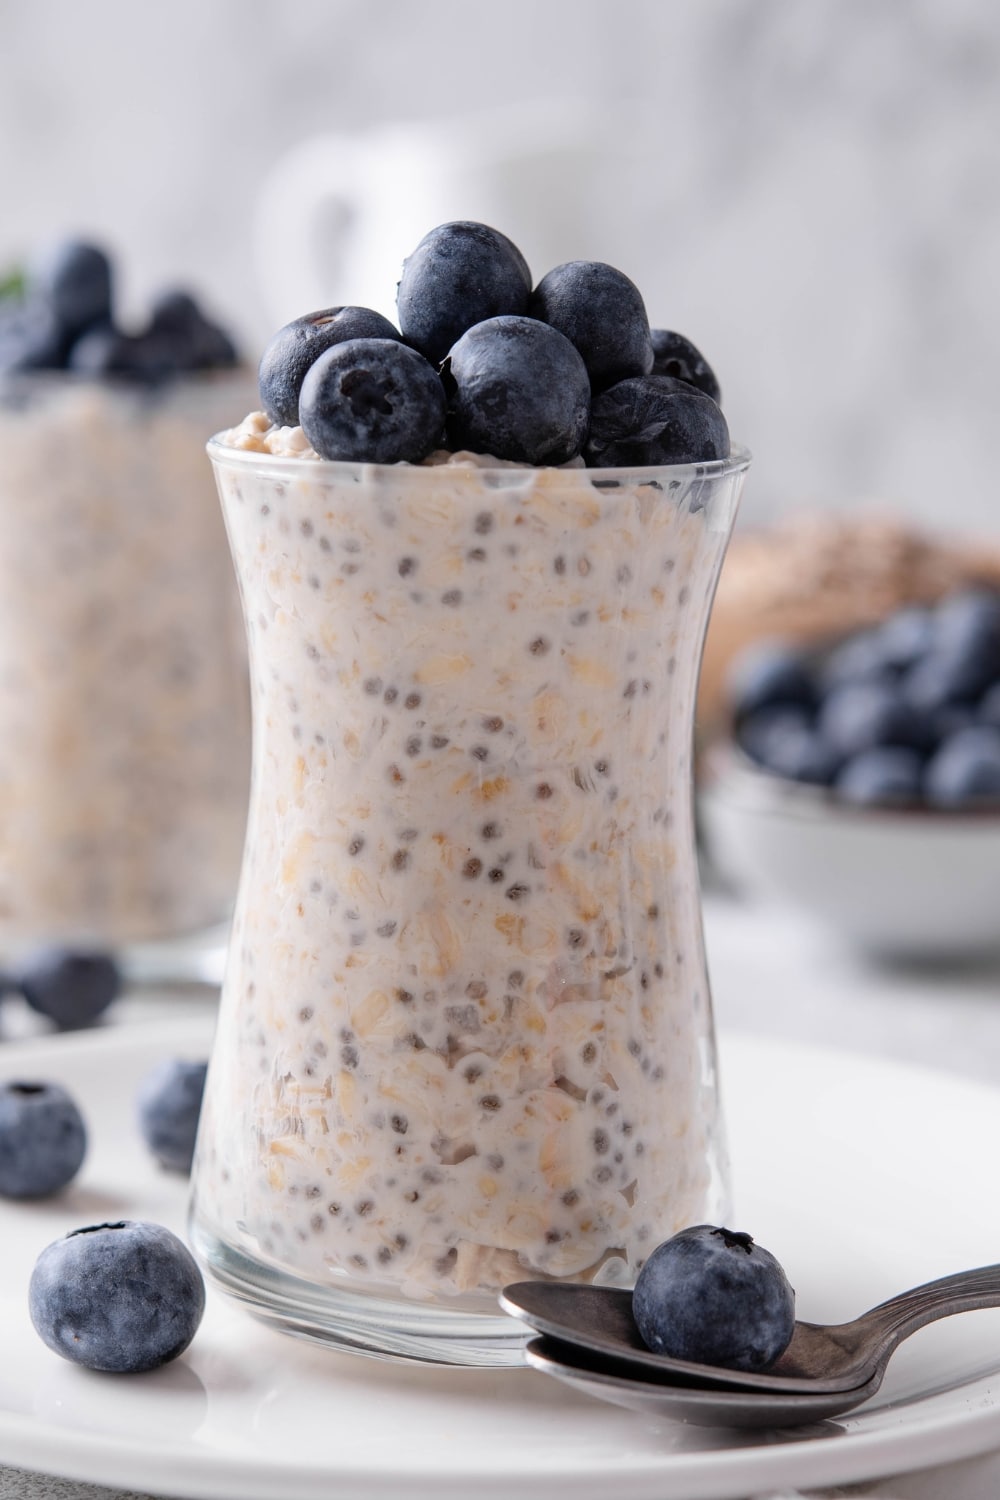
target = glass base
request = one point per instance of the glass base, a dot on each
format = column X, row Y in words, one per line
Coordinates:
column 379, row 1327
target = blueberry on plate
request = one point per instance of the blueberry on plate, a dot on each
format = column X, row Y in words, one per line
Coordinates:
column 755, row 732
column 120, row 1297
column 43, row 1139
column 71, row 988
column 886, row 776
column 965, row 771
column 676, row 356
column 766, row 674
column 714, row 1297
column 518, row 390
column 299, row 344
column 372, row 401
column 602, row 314
column 946, row 675
column 651, row 419
column 906, row 636
column 460, row 274
column 74, row 278
column 169, row 1103
column 968, row 622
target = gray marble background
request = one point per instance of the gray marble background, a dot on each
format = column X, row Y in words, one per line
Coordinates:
column 809, row 188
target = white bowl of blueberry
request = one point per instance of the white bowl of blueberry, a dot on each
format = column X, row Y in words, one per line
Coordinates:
column 860, row 784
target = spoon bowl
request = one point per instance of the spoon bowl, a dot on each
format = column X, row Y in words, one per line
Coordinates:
column 821, row 1359
column 625, row 1385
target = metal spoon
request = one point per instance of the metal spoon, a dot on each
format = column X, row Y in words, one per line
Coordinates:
column 820, row 1358
column 703, row 1407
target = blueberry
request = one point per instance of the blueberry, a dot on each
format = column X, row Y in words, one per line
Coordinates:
column 652, row 419
column 947, row 675
column 714, row 1297
column 169, row 1103
column 372, row 401
column 75, row 279
column 800, row 753
column 965, row 771
column 460, row 274
column 906, row 636
column 71, row 988
column 107, row 353
column 859, row 658
column 884, row 776
column 989, row 706
column 766, row 674
column 859, row 715
column 118, row 1297
column 31, row 337
column 969, row 621
column 299, row 344
column 189, row 339
column 602, row 314
column 676, row 356
column 755, row 731
column 43, row 1139
column 518, row 391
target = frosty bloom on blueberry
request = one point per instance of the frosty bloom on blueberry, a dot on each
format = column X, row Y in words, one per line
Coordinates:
column 122, row 1297
column 712, row 1296
column 43, row 1139
column 459, row 275
column 286, row 360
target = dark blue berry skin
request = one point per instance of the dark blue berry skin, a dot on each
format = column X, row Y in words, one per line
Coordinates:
column 121, row 1297
column 800, row 753
column 299, row 344
column 372, row 401
column 906, row 636
column 989, row 706
column 43, row 1139
column 969, row 624
column 944, row 677
column 859, row 658
column 767, row 674
column 70, row 988
column 460, row 274
column 676, row 356
column 169, row 1103
column 518, row 390
column 965, row 771
column 189, row 339
column 602, row 314
column 754, row 732
column 109, row 354
column 887, row 776
column 860, row 715
column 713, row 1297
column 75, row 280
column 31, row 338
column 651, row 419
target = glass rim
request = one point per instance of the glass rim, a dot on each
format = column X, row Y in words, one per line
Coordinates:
column 289, row 465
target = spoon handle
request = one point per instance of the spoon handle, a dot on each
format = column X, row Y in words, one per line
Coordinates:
column 896, row 1319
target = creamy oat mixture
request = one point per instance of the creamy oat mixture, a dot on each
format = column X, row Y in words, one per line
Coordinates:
column 467, row 1028
column 124, row 757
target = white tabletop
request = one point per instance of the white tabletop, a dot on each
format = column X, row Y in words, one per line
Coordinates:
column 770, row 977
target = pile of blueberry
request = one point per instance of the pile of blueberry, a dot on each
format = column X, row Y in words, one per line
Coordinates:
column 60, row 316
column 483, row 360
column 906, row 713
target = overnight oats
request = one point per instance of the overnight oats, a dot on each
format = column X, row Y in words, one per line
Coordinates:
column 124, row 766
column 466, row 1034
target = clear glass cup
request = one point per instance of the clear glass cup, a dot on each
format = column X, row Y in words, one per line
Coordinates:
column 124, row 690
column 465, row 1035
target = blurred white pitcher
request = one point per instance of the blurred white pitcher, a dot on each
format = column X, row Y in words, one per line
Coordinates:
column 338, row 214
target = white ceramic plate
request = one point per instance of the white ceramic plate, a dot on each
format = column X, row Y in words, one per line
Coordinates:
column 864, row 1178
